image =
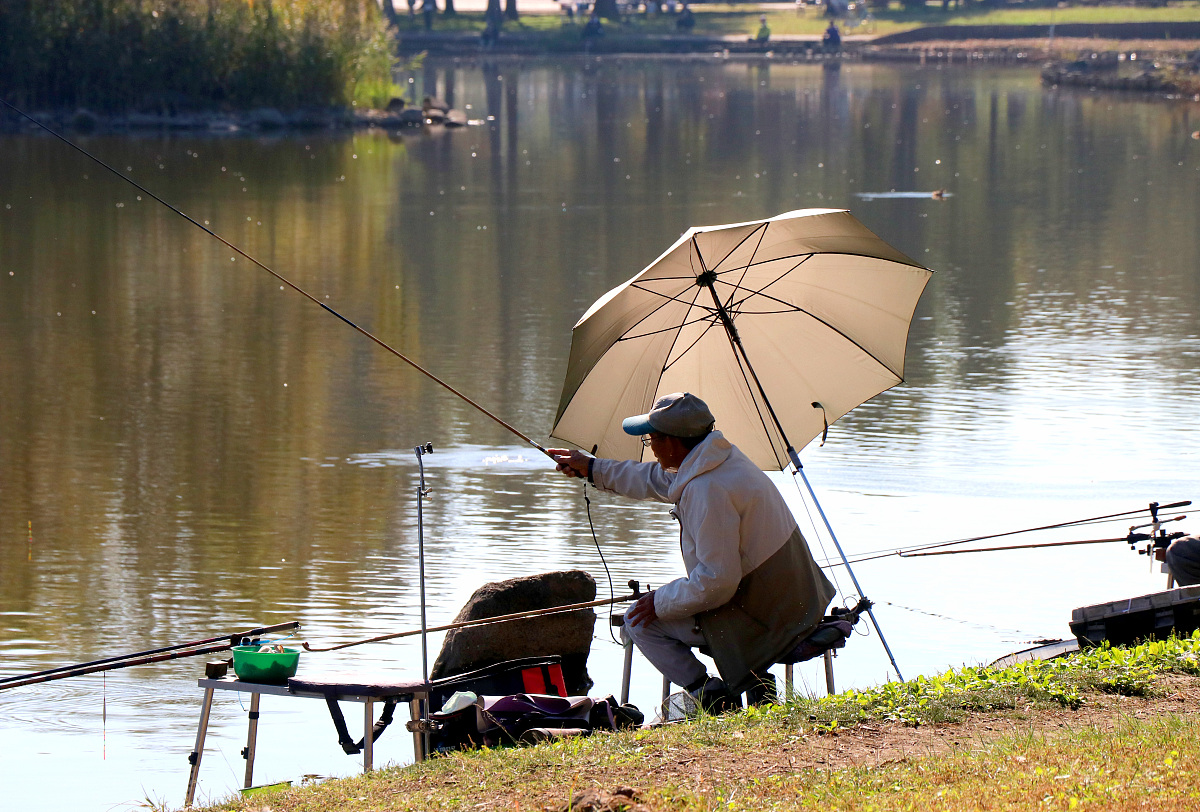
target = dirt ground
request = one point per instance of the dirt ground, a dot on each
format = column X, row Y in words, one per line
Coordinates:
column 872, row 745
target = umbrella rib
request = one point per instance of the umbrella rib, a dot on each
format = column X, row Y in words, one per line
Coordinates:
column 738, row 286
column 824, row 323
column 757, row 408
column 760, row 229
column 745, row 270
column 699, row 338
column 710, row 317
column 667, row 301
column 709, row 314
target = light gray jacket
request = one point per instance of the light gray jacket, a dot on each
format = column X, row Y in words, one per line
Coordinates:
column 751, row 583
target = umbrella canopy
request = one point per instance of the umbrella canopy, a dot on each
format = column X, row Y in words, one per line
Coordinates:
column 821, row 308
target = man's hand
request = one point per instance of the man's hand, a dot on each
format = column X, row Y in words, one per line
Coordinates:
column 643, row 611
column 571, row 463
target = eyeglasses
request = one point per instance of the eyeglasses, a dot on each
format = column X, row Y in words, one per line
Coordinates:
column 649, row 438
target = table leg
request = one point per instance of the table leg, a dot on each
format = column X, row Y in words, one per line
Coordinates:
column 197, row 753
column 414, row 713
column 251, row 738
column 368, row 739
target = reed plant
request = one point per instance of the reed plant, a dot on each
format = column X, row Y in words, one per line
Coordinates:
column 168, row 55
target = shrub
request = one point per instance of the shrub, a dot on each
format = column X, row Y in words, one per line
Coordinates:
column 186, row 54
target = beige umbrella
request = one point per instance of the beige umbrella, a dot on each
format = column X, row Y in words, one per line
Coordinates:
column 781, row 326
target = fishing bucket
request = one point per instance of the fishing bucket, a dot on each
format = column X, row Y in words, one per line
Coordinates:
column 268, row 667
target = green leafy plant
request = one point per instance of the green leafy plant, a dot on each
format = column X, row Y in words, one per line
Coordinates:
column 167, row 55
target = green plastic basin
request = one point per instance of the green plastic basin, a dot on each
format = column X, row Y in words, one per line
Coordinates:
column 271, row 668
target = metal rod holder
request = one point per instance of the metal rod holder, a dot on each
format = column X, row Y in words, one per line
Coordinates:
column 422, row 492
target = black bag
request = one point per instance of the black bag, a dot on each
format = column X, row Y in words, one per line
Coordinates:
column 528, row 675
column 501, row 720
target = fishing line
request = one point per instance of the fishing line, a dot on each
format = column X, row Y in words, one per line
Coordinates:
column 587, row 501
column 1018, row 632
column 278, row 276
column 900, row 551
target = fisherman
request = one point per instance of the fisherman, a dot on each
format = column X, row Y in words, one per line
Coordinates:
column 752, row 589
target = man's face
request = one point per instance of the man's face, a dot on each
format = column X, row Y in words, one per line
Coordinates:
column 668, row 450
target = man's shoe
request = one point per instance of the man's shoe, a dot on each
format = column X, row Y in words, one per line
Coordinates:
column 763, row 691
column 714, row 697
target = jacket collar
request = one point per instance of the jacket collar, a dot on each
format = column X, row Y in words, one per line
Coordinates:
column 703, row 458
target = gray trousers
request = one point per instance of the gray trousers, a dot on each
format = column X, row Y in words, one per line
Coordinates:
column 668, row 645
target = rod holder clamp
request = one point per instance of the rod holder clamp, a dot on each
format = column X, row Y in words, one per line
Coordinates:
column 423, row 726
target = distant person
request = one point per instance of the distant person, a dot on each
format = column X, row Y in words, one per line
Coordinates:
column 832, row 39
column 764, row 31
column 491, row 34
column 429, row 8
column 686, row 20
column 593, row 28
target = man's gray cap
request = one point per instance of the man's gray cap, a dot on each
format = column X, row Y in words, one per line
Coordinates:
column 681, row 414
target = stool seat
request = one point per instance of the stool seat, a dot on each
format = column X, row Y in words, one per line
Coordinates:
column 829, row 635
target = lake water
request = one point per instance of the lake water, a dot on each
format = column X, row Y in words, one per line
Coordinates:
column 186, row 449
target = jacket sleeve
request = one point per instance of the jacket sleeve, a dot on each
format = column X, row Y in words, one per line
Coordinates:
column 713, row 523
column 636, row 480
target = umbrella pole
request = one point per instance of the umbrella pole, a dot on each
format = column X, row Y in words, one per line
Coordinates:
column 800, row 470
column 707, row 280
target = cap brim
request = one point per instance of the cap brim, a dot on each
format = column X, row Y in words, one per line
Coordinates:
column 637, row 425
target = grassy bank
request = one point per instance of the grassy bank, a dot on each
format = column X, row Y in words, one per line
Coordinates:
column 151, row 55
column 1106, row 729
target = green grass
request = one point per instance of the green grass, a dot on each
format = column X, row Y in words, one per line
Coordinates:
column 722, row 19
column 894, row 747
column 946, row 697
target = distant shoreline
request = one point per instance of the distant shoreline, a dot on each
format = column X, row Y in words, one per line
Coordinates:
column 923, row 45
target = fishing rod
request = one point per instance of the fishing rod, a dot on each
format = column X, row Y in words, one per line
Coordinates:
column 280, row 277
column 233, row 638
column 165, row 655
column 904, row 554
column 910, row 551
column 483, row 621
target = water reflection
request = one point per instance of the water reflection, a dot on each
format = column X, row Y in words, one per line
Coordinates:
column 187, row 449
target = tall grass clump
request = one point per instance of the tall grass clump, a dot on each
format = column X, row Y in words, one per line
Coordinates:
column 155, row 55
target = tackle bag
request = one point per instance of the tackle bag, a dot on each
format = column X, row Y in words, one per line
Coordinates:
column 475, row 721
column 527, row 675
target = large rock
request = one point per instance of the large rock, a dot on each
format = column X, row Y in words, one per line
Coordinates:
column 568, row 634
